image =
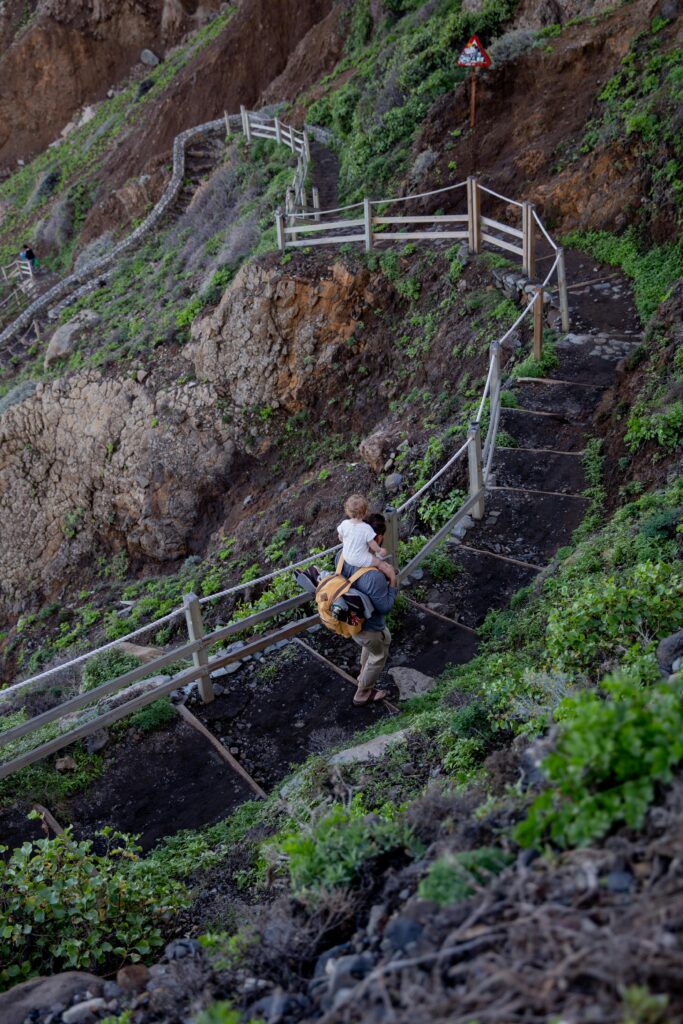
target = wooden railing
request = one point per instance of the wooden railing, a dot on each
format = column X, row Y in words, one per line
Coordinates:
column 200, row 646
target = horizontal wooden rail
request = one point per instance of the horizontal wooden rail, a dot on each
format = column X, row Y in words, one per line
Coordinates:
column 325, row 241
column 407, row 235
column 302, row 227
column 440, row 535
column 152, row 668
column 499, row 226
column 440, row 219
column 188, row 675
column 508, row 246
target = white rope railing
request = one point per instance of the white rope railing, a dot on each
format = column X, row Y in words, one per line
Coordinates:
column 497, row 195
column 548, row 239
column 446, row 466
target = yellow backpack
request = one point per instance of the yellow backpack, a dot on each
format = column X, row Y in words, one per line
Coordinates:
column 329, row 591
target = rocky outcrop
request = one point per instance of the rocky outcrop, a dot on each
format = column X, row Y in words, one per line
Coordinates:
column 89, row 464
column 274, row 338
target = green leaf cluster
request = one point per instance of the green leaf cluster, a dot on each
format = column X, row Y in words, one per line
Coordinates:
column 65, row 907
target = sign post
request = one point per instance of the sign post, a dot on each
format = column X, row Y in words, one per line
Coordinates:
column 474, row 56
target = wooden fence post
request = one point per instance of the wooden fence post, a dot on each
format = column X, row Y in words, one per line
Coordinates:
column 391, row 538
column 280, row 228
column 246, row 128
column 495, row 375
column 307, row 146
column 562, row 288
column 538, row 324
column 367, row 211
column 227, row 124
column 200, row 659
column 278, row 130
column 473, row 215
column 316, row 202
column 476, row 471
column 528, row 242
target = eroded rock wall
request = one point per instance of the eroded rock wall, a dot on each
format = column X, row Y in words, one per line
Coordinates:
column 90, row 464
column 275, row 337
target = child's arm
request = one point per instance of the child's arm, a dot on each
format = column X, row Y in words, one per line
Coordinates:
column 388, row 571
column 376, row 549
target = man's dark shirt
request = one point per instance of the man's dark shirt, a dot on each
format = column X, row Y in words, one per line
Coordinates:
column 376, row 586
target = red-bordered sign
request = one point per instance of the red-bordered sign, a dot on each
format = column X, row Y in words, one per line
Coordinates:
column 474, row 55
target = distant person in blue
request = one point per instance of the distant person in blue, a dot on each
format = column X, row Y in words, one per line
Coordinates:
column 28, row 254
column 374, row 639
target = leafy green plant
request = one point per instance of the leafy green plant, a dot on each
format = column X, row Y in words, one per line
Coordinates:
column 65, row 907
column 333, row 848
column 612, row 750
column 456, row 877
column 533, row 367
column 155, row 716
column 105, row 666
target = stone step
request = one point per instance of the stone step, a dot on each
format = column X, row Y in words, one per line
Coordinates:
column 575, row 401
column 542, row 471
column 543, row 431
column 529, row 526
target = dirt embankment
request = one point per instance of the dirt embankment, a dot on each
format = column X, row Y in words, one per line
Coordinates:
column 69, row 53
column 531, row 117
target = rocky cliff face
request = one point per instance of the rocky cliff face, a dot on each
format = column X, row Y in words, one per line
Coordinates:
column 90, row 465
column 274, row 337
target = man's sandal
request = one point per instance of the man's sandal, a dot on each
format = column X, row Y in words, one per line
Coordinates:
column 373, row 695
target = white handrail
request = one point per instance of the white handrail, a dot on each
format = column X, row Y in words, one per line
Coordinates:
column 447, row 465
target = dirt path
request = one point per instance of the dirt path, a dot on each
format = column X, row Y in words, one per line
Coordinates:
column 325, row 175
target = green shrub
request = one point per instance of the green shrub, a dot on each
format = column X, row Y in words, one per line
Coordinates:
column 610, row 753
column 532, row 367
column 105, row 666
column 333, row 849
column 665, row 426
column 595, row 619
column 155, row 716
column 65, row 907
column 455, row 877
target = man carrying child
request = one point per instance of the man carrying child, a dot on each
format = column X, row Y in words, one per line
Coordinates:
column 362, row 538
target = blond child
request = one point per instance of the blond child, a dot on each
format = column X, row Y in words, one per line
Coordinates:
column 359, row 547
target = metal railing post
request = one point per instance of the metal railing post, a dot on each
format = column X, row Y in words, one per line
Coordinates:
column 538, row 324
column 476, row 470
column 528, row 241
column 562, row 288
column 200, row 659
column 280, row 228
column 391, row 538
column 473, row 215
column 367, row 212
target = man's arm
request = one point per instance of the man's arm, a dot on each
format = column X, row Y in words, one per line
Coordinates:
column 380, row 593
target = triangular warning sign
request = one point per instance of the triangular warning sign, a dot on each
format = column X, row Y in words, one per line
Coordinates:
column 474, row 55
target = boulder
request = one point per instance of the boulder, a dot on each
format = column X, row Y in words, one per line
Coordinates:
column 149, row 59
column 39, row 994
column 376, row 446
column 669, row 651
column 63, row 342
column 65, row 764
column 410, row 682
column 144, row 654
column 393, row 483
column 367, row 751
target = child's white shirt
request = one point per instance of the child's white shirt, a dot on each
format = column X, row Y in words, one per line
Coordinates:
column 355, row 538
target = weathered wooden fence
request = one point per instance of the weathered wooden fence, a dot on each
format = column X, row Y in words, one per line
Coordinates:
column 200, row 647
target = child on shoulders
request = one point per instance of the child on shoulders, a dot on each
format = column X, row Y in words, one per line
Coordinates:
column 359, row 547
